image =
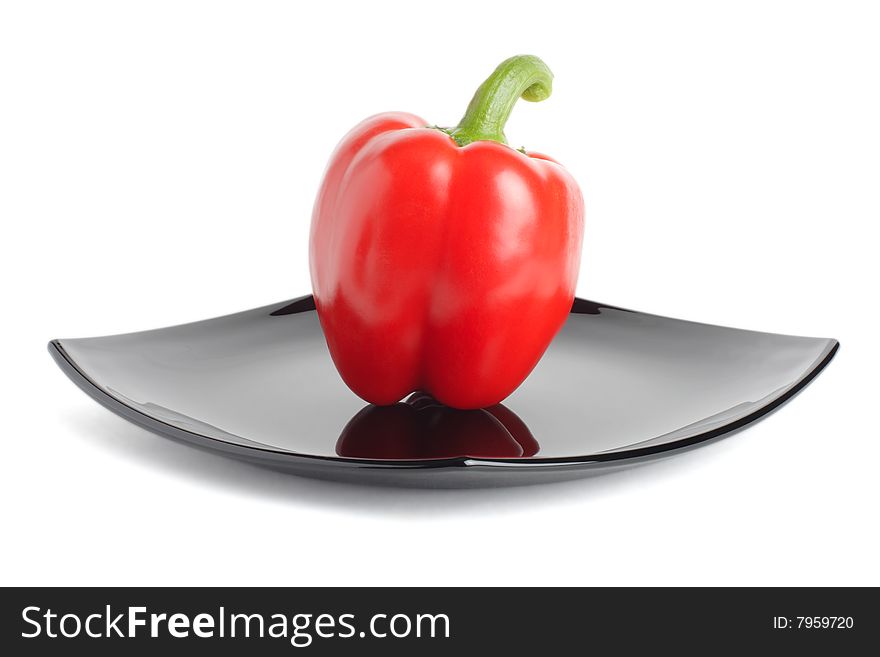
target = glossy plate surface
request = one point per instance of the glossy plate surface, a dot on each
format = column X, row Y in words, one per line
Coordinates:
column 616, row 387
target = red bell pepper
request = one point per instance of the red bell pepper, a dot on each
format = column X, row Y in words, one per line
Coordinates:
column 443, row 260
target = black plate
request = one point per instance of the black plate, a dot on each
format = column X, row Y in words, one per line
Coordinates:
column 616, row 387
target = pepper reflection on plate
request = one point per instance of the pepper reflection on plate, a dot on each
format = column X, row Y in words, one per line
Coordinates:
column 423, row 428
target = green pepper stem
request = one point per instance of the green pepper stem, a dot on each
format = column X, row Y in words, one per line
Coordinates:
column 522, row 76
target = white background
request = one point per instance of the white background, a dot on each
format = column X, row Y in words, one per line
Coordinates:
column 158, row 162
